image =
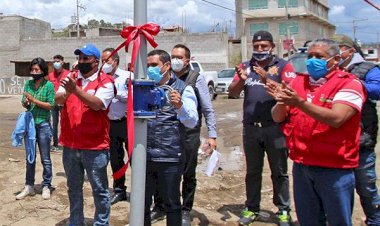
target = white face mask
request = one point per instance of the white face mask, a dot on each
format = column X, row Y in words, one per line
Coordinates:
column 107, row 68
column 177, row 64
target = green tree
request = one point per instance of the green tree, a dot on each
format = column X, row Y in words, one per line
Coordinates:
column 93, row 23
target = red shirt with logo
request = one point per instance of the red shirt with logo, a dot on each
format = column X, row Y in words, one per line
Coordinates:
column 314, row 143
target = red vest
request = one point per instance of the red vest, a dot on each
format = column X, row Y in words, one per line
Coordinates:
column 82, row 127
column 315, row 143
column 57, row 80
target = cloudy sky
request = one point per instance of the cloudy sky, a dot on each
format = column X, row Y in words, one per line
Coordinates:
column 367, row 19
column 197, row 15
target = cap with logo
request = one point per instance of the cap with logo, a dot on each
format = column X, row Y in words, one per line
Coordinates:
column 88, row 50
column 262, row 36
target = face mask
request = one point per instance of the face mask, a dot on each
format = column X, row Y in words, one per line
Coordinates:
column 107, row 68
column 341, row 61
column 177, row 64
column 84, row 68
column 154, row 73
column 57, row 65
column 261, row 56
column 37, row 76
column 317, row 68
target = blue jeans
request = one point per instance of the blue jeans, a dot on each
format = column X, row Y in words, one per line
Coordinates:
column 323, row 193
column 55, row 117
column 365, row 176
column 43, row 136
column 75, row 162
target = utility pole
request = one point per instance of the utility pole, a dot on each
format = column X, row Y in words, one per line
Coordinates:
column 287, row 26
column 377, row 45
column 77, row 17
column 354, row 26
column 141, row 125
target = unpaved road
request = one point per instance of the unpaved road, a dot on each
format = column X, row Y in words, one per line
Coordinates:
column 219, row 199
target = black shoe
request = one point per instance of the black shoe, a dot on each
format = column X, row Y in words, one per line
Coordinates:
column 157, row 215
column 186, row 221
column 117, row 197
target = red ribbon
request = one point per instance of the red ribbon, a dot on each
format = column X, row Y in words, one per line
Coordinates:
column 133, row 33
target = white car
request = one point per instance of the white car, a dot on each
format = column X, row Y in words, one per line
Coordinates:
column 210, row 77
column 224, row 80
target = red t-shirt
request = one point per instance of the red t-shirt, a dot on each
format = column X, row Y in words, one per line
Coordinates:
column 56, row 78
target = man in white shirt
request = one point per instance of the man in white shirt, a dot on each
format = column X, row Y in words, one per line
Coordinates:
column 117, row 116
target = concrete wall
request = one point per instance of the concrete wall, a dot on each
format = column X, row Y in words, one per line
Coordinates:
column 12, row 85
column 10, row 35
column 20, row 43
column 211, row 49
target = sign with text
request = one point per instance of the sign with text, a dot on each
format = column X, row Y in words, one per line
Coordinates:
column 287, row 44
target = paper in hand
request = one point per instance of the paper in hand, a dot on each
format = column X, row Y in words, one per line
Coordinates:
column 212, row 163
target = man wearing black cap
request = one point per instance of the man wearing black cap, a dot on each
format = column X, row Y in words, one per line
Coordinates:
column 365, row 175
column 260, row 133
column 85, row 97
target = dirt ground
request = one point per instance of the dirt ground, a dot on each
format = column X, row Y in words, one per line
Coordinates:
column 219, row 199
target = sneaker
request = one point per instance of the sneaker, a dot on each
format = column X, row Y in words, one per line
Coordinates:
column 55, row 149
column 284, row 218
column 247, row 217
column 28, row 190
column 46, row 192
column 157, row 215
column 186, row 220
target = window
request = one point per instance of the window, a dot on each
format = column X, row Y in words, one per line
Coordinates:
column 371, row 51
column 253, row 28
column 257, row 4
column 293, row 28
column 291, row 3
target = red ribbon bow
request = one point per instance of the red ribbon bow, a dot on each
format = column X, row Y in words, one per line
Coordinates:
column 133, row 33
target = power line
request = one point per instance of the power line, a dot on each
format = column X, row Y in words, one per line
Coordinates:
column 346, row 22
column 226, row 8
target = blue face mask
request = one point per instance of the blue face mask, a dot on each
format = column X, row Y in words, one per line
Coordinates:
column 154, row 73
column 317, row 68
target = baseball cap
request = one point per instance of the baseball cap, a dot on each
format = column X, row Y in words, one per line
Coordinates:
column 262, row 36
column 89, row 50
column 343, row 40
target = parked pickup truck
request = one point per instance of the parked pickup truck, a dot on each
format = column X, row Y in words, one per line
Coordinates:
column 210, row 77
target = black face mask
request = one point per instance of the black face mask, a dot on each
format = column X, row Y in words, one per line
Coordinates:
column 84, row 68
column 37, row 76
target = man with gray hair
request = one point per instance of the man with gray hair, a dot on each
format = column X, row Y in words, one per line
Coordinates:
column 321, row 115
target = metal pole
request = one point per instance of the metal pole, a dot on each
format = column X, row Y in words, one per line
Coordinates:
column 139, row 152
column 138, row 174
column 78, row 32
column 354, row 26
column 288, row 38
column 287, row 26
